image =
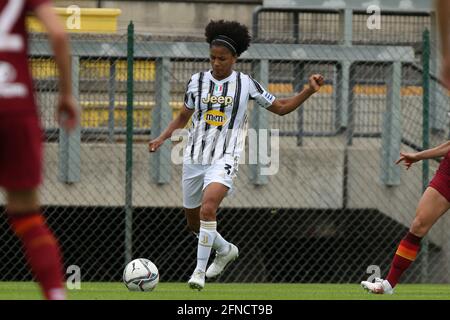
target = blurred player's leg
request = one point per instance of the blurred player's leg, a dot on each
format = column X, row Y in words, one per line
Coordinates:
column 40, row 246
column 20, row 175
column 431, row 206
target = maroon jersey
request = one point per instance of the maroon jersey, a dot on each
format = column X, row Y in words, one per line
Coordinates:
column 16, row 86
column 444, row 167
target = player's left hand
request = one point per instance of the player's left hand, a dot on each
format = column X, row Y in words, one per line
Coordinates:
column 315, row 82
column 66, row 113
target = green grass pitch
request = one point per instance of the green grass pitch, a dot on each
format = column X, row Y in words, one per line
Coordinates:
column 232, row 291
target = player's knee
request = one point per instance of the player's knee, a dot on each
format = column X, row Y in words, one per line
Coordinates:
column 419, row 227
column 22, row 201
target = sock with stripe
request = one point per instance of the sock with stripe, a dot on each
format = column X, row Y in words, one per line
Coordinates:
column 206, row 239
column 41, row 251
column 404, row 256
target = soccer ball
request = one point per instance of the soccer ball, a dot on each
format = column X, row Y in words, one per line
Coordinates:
column 140, row 275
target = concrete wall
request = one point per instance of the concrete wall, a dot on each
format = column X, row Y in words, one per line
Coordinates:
column 305, row 179
column 311, row 176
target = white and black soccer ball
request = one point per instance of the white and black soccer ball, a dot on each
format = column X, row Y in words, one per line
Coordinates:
column 140, row 275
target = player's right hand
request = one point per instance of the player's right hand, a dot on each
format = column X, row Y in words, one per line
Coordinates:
column 315, row 82
column 154, row 145
column 66, row 112
column 408, row 159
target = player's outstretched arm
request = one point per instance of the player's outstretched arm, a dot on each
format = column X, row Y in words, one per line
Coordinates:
column 178, row 123
column 409, row 158
column 284, row 106
column 66, row 113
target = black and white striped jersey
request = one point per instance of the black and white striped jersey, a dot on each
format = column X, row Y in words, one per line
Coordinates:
column 219, row 123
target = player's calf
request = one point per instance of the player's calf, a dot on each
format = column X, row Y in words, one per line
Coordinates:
column 42, row 252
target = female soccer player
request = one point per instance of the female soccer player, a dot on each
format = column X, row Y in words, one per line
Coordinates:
column 434, row 203
column 21, row 136
column 217, row 99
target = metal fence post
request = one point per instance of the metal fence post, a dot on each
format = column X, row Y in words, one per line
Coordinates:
column 346, row 26
column 391, row 134
column 112, row 99
column 260, row 120
column 343, row 74
column 349, row 115
column 438, row 111
column 425, row 138
column 342, row 95
column 129, row 148
column 255, row 21
column 299, row 76
column 70, row 144
column 296, row 26
column 160, row 165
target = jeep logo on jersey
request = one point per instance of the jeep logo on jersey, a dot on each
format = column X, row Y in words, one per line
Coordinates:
column 220, row 99
column 215, row 118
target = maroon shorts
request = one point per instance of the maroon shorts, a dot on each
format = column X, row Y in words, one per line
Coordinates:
column 441, row 182
column 20, row 153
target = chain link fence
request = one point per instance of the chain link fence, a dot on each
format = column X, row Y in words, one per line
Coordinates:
column 337, row 203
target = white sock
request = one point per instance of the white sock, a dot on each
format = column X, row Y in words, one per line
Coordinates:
column 220, row 244
column 205, row 241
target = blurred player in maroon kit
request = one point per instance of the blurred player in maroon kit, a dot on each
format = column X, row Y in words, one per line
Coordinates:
column 21, row 136
column 435, row 201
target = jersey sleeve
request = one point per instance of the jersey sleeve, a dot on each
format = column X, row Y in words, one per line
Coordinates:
column 262, row 97
column 189, row 95
column 33, row 4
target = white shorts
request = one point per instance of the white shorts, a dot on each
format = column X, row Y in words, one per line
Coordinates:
column 196, row 177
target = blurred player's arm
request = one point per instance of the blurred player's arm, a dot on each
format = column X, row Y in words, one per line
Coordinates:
column 443, row 18
column 283, row 106
column 436, row 152
column 178, row 123
column 67, row 111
